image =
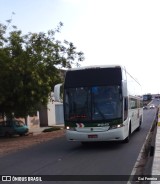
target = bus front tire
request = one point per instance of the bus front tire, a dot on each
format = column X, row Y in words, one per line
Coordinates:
column 126, row 140
column 139, row 127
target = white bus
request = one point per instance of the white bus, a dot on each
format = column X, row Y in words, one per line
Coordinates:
column 101, row 103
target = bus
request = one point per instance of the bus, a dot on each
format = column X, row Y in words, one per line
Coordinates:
column 101, row 103
column 147, row 97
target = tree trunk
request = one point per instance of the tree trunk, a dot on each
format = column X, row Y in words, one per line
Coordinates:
column 26, row 122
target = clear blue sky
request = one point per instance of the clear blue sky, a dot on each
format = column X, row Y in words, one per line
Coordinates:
column 125, row 32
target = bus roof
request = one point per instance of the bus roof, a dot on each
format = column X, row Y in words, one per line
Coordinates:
column 96, row 66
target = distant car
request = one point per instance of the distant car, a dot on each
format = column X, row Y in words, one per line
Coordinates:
column 152, row 106
column 13, row 127
column 145, row 107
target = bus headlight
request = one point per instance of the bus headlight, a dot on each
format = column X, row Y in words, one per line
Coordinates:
column 116, row 126
column 71, row 128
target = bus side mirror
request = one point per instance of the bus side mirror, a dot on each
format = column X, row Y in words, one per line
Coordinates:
column 57, row 96
column 124, row 88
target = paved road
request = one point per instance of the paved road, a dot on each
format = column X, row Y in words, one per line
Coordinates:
column 59, row 157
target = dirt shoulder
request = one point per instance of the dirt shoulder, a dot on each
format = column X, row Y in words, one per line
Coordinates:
column 16, row 143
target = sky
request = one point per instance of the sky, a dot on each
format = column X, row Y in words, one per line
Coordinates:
column 124, row 32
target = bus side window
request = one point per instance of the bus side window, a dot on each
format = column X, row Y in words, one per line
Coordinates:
column 125, row 108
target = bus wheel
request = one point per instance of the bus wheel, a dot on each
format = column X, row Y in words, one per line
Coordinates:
column 126, row 140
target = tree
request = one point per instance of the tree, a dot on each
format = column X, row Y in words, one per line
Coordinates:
column 29, row 68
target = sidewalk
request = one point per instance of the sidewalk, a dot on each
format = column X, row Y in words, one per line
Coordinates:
column 156, row 160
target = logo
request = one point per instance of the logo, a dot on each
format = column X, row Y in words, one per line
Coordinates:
column 80, row 125
column 6, row 178
column 21, row 178
column 103, row 124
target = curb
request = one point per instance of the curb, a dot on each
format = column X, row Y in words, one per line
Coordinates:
column 39, row 130
column 143, row 155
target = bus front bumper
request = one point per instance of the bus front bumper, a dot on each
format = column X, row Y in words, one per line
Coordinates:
column 117, row 134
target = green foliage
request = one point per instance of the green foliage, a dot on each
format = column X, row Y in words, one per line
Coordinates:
column 29, row 68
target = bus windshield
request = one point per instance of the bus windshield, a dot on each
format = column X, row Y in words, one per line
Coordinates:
column 93, row 103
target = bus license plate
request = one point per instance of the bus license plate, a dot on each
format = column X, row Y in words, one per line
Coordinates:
column 93, row 136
